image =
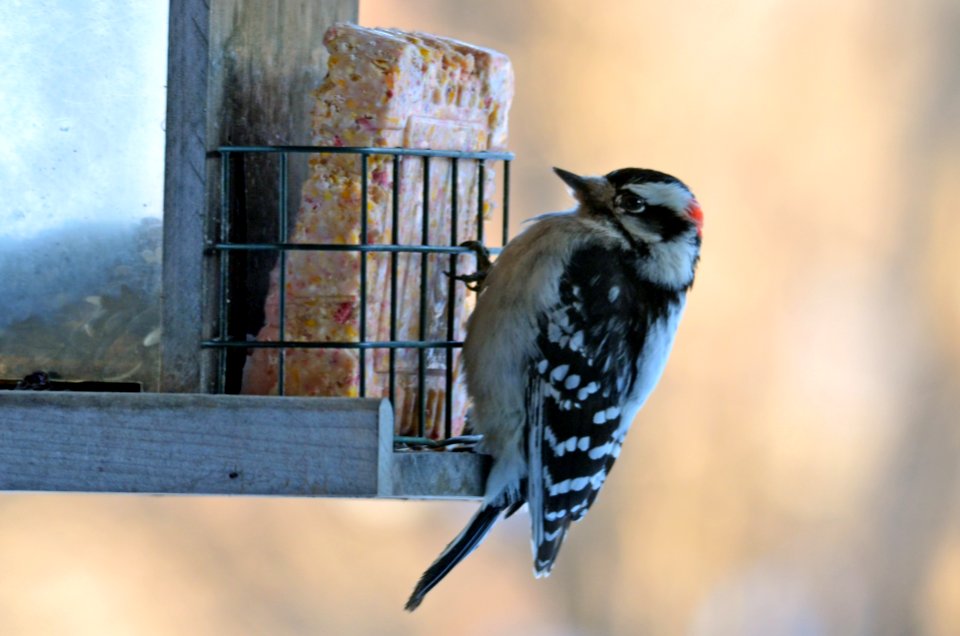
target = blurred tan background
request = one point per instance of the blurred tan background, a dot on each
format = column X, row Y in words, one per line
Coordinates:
column 796, row 472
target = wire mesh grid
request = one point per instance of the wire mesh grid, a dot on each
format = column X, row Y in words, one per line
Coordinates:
column 231, row 344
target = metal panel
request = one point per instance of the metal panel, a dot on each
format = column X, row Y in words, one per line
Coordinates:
column 83, row 87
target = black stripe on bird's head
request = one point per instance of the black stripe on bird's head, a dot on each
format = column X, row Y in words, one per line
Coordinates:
column 654, row 205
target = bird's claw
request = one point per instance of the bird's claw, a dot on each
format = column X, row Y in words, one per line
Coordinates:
column 474, row 281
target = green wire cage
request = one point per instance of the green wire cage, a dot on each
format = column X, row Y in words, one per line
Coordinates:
column 234, row 244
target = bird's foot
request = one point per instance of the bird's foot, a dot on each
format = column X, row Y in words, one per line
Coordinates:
column 474, row 281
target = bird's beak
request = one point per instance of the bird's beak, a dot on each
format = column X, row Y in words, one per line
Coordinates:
column 578, row 184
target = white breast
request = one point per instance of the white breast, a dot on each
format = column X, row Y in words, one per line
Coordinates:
column 651, row 363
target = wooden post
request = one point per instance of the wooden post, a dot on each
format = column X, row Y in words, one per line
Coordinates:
column 240, row 71
column 184, row 196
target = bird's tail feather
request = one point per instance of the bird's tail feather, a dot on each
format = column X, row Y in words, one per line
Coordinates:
column 459, row 548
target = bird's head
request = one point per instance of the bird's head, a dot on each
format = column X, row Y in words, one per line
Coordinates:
column 652, row 206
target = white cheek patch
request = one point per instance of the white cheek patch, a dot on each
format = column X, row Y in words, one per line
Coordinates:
column 638, row 228
column 669, row 195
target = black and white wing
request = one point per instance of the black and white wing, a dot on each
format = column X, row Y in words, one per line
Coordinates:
column 601, row 351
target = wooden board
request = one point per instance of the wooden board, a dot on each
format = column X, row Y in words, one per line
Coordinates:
column 218, row 444
column 189, row 444
column 438, row 475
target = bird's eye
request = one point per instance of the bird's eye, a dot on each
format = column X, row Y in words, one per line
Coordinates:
column 630, row 202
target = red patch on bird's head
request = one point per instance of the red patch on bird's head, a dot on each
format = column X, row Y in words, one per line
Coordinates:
column 697, row 215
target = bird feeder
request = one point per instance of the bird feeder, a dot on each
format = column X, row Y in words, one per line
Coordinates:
column 220, row 401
